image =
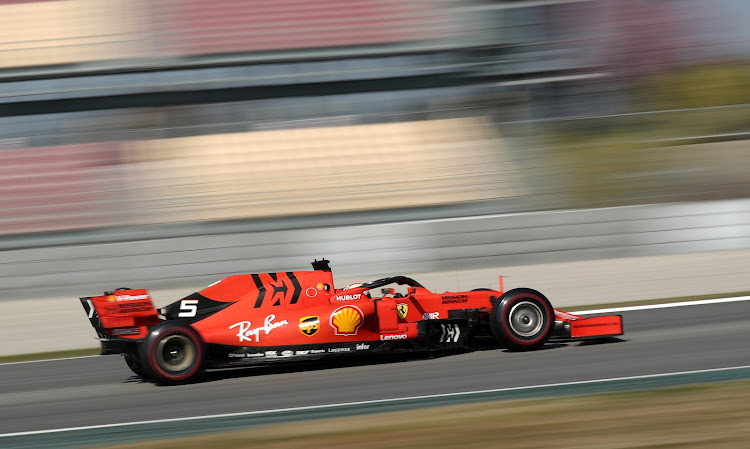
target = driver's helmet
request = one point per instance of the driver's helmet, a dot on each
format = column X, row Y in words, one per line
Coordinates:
column 357, row 285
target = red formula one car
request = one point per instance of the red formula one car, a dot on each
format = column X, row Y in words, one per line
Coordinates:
column 258, row 318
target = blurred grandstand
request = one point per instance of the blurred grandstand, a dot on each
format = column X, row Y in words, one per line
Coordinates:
column 122, row 112
column 156, row 112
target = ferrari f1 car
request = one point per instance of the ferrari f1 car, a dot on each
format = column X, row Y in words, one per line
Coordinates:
column 259, row 318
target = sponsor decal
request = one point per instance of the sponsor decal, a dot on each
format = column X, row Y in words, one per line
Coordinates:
column 339, row 349
column 128, row 297
column 317, row 351
column 613, row 323
column 129, row 308
column 431, row 316
column 391, row 337
column 311, row 292
column 271, row 354
column 246, row 355
column 348, row 297
column 246, row 332
column 455, row 299
column 306, row 352
column 126, row 331
column 137, row 309
column 450, row 333
column 402, row 310
column 287, row 353
column 362, row 346
column 309, row 325
column 321, row 286
column 346, row 320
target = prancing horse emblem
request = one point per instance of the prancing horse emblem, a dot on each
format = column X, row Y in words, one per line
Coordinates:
column 402, row 309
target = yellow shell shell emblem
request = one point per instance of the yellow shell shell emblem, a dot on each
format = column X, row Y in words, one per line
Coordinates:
column 346, row 320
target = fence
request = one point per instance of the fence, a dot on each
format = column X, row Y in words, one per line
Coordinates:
column 189, row 262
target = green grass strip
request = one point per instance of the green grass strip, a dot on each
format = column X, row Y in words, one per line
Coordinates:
column 49, row 355
column 688, row 417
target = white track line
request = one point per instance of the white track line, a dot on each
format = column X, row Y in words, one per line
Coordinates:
column 371, row 402
column 49, row 360
column 664, row 306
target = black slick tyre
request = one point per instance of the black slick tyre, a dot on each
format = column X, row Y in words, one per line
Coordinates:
column 173, row 353
column 134, row 363
column 522, row 319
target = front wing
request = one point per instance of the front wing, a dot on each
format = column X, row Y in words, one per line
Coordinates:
column 573, row 327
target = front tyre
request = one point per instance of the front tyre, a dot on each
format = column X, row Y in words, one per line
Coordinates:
column 522, row 319
column 172, row 353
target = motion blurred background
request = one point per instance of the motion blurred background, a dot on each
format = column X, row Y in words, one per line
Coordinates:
column 167, row 143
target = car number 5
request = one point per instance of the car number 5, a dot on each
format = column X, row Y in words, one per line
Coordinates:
column 188, row 308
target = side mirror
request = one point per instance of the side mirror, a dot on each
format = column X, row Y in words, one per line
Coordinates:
column 411, row 290
column 388, row 291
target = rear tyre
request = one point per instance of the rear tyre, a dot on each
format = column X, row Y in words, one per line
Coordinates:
column 522, row 319
column 134, row 363
column 172, row 353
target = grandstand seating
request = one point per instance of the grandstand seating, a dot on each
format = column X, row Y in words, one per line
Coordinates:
column 192, row 27
column 58, row 188
column 56, row 33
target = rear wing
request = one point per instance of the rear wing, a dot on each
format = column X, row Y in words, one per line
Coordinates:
column 124, row 313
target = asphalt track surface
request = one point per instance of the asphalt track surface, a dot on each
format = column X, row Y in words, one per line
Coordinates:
column 101, row 390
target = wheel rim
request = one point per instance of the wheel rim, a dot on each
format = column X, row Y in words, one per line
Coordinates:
column 526, row 319
column 175, row 353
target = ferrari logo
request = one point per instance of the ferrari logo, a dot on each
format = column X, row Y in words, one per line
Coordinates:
column 309, row 325
column 402, row 309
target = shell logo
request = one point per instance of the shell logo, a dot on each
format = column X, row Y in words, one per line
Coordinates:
column 346, row 320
